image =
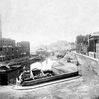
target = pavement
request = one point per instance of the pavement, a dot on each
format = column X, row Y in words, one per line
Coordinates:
column 73, row 89
column 53, row 91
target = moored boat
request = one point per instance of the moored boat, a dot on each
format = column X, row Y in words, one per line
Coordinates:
column 40, row 77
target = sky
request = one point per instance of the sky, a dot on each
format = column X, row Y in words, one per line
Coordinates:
column 46, row 21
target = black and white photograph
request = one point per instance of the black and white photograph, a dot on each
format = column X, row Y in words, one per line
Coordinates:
column 49, row 49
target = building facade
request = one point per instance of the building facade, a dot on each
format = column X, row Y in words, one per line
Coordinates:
column 94, row 44
column 8, row 76
column 25, row 47
column 6, row 42
column 11, row 50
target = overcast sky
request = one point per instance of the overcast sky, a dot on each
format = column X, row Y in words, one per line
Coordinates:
column 45, row 21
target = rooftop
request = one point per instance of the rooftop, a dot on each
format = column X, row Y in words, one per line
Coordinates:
column 95, row 34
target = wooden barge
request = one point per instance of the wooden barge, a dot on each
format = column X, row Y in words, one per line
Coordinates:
column 45, row 79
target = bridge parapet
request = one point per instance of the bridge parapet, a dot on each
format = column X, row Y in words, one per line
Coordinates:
column 89, row 67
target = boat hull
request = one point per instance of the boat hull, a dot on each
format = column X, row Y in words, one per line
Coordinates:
column 49, row 79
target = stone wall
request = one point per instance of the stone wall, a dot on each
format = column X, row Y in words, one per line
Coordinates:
column 88, row 67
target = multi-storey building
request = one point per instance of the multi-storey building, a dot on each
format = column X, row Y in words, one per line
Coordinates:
column 94, row 44
column 6, row 42
column 10, row 50
column 25, row 47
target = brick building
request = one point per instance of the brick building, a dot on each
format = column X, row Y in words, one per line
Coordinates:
column 25, row 46
column 94, row 44
column 6, row 42
column 8, row 76
column 10, row 50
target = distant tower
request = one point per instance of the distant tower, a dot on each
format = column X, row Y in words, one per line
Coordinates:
column 0, row 28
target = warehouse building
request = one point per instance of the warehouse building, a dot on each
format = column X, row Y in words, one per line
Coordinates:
column 11, row 50
column 25, row 47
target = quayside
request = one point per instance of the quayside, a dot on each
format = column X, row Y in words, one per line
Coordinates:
column 67, row 80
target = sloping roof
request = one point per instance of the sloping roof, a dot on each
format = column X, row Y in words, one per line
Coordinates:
column 95, row 34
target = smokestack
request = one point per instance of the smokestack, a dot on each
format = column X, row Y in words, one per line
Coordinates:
column 0, row 28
